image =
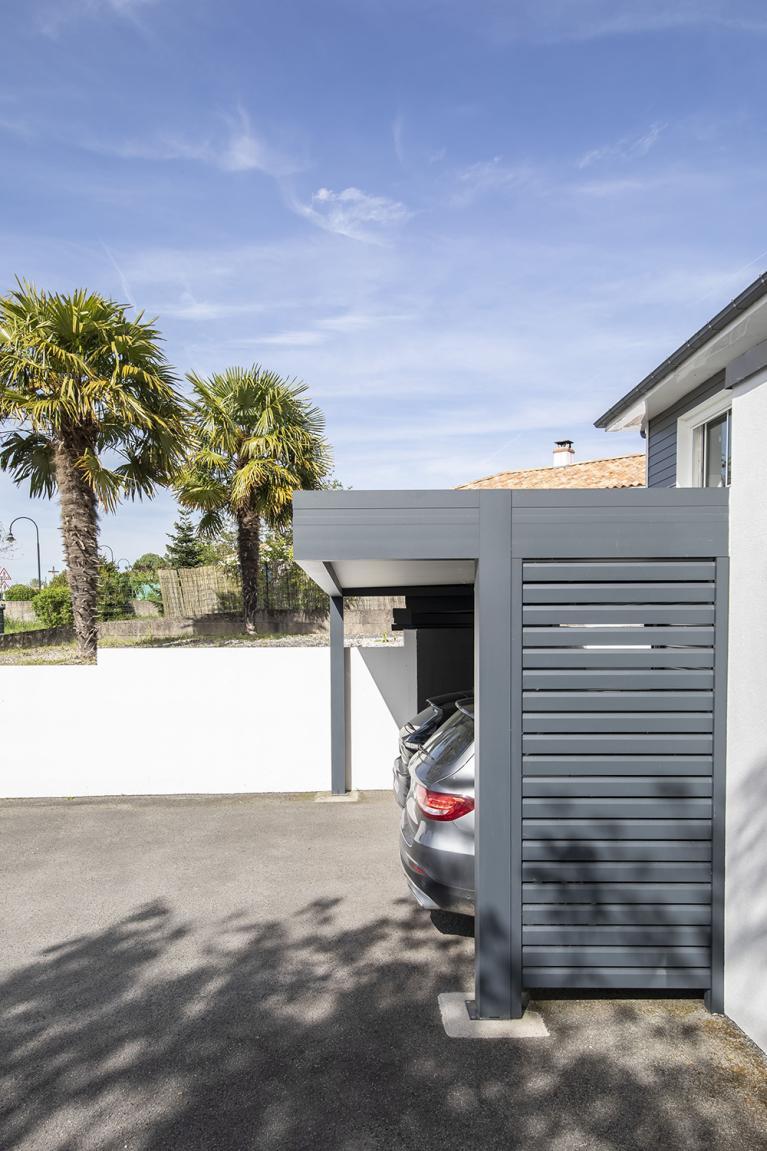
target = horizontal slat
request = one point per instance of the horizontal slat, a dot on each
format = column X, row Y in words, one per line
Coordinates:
column 591, row 915
column 615, row 636
column 692, row 850
column 647, row 679
column 630, row 744
column 622, row 659
column 627, row 978
column 571, row 593
column 617, row 871
column 631, row 571
column 534, row 765
column 605, row 829
column 616, row 892
column 651, row 787
column 616, row 956
column 617, row 700
column 682, row 615
column 591, row 808
column 613, row 936
column 615, row 722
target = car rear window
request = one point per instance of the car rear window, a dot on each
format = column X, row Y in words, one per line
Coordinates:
column 452, row 739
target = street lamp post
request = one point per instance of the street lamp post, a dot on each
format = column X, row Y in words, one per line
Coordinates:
column 10, row 538
column 106, row 548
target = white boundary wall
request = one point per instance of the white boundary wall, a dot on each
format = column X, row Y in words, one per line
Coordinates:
column 202, row 720
column 746, row 873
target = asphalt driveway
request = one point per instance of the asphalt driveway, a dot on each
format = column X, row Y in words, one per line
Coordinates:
column 245, row 973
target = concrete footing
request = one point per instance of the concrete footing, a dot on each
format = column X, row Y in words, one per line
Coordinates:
column 327, row 797
column 457, row 1011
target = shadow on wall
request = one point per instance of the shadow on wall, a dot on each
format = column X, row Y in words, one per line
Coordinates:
column 393, row 671
column 308, row 1033
column 746, row 906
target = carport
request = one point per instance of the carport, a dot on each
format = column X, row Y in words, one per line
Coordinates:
column 600, row 629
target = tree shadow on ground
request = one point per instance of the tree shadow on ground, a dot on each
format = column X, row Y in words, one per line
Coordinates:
column 316, row 1032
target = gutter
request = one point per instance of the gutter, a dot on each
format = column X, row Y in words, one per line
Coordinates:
column 731, row 311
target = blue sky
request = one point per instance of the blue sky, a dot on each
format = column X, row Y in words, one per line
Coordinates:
column 468, row 226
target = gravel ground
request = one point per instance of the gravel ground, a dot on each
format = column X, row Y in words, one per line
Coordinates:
column 249, row 974
column 315, row 639
column 67, row 654
column 36, row 656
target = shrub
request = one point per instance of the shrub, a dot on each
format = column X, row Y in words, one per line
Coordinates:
column 115, row 593
column 53, row 606
column 20, row 591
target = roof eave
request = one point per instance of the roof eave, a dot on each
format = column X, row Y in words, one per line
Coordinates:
column 611, row 419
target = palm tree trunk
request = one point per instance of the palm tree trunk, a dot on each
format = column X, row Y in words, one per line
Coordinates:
column 249, row 547
column 79, row 530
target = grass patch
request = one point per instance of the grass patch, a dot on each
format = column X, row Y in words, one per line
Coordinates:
column 15, row 626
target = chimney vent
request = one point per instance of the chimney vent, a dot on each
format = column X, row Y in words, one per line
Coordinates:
column 564, row 453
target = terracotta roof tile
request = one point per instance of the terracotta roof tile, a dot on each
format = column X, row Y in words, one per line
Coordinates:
column 619, row 472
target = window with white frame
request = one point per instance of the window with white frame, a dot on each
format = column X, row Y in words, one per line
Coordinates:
column 704, row 445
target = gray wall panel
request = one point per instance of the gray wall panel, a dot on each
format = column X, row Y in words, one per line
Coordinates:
column 661, row 433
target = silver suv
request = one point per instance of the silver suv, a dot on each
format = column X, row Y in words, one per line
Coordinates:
column 437, row 827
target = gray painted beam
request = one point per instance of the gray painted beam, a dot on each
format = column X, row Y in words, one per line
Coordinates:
column 715, row 997
column 339, row 750
column 498, row 864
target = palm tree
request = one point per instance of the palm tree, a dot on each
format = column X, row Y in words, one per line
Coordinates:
column 97, row 417
column 257, row 439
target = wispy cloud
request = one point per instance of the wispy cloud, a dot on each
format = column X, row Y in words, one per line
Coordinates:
column 627, row 148
column 563, row 20
column 491, row 176
column 353, row 213
column 54, row 17
column 125, row 285
column 239, row 149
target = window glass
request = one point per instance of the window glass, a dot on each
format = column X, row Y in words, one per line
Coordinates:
column 716, row 452
column 452, row 739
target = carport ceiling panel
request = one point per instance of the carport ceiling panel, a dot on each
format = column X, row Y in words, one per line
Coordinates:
column 393, row 573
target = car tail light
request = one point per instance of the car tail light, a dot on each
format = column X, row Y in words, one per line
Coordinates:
column 441, row 806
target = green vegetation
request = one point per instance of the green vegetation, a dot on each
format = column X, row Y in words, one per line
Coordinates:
column 53, row 605
column 256, row 439
column 19, row 592
column 115, row 593
column 185, row 547
column 14, row 626
column 90, row 411
column 95, row 416
column 149, row 563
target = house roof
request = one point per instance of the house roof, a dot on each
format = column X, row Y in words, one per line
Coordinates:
column 616, row 472
column 754, row 292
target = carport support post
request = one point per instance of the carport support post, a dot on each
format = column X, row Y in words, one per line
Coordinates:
column 339, row 753
column 498, row 866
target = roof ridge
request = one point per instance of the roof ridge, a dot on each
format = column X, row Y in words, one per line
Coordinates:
column 550, row 467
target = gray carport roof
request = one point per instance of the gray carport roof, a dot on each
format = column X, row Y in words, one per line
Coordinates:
column 386, row 541
column 394, row 541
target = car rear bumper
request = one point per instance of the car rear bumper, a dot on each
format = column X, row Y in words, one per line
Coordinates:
column 434, row 891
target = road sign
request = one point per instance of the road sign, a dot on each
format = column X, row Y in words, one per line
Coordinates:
column 5, row 579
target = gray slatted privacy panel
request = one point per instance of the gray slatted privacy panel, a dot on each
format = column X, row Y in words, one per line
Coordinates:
column 617, row 773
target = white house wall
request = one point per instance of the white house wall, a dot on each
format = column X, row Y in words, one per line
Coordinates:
column 175, row 721
column 746, row 874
